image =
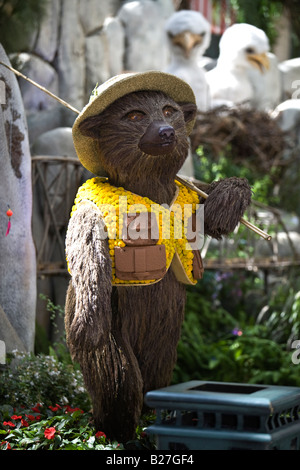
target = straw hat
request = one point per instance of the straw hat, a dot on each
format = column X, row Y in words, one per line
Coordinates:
column 116, row 87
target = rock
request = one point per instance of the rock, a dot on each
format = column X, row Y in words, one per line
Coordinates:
column 9, row 335
column 57, row 142
column 43, row 121
column 70, row 62
column 97, row 65
column 114, row 33
column 17, row 252
column 104, row 54
column 42, row 73
column 47, row 40
column 92, row 13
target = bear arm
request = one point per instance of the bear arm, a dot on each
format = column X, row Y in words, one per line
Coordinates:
column 226, row 203
column 90, row 266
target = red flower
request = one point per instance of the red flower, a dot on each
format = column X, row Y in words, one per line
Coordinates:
column 16, row 417
column 69, row 409
column 37, row 407
column 24, row 423
column 100, row 434
column 49, row 433
column 8, row 446
column 9, row 423
column 30, row 417
column 55, row 408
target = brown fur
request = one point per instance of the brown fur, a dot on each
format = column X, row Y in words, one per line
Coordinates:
column 126, row 165
column 125, row 338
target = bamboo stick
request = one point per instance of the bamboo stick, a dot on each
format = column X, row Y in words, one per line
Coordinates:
column 252, row 227
column 64, row 103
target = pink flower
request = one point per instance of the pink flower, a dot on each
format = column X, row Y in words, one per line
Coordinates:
column 49, row 433
column 100, row 434
column 24, row 423
column 16, row 417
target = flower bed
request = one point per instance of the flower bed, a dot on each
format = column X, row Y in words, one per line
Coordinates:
column 51, row 428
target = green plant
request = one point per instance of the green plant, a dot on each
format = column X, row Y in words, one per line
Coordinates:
column 19, row 20
column 225, row 339
column 44, row 345
column 209, row 168
column 30, row 379
column 261, row 13
column 50, row 428
column 44, row 406
column 281, row 315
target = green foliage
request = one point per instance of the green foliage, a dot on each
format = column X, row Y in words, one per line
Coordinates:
column 50, row 428
column 260, row 13
column 38, row 393
column 208, row 169
column 42, row 343
column 19, row 21
column 281, row 315
column 225, row 339
column 31, row 379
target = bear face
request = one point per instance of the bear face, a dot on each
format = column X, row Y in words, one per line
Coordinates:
column 141, row 136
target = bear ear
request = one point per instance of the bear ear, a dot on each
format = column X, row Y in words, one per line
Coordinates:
column 90, row 127
column 189, row 111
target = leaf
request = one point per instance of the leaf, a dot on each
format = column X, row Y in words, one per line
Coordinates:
column 91, row 441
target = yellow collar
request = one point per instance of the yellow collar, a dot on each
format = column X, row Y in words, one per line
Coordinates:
column 114, row 202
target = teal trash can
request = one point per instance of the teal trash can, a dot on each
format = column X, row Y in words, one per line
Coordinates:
column 200, row 415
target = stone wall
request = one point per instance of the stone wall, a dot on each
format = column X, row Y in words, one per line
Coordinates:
column 82, row 43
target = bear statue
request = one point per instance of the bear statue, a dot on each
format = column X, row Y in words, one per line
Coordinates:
column 126, row 297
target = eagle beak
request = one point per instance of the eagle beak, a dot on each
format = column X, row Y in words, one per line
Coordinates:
column 260, row 61
column 187, row 41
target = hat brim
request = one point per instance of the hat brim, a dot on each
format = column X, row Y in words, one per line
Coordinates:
column 113, row 89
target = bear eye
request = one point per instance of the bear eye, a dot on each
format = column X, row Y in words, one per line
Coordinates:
column 135, row 116
column 168, row 111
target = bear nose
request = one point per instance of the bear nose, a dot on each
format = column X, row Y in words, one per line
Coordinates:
column 166, row 132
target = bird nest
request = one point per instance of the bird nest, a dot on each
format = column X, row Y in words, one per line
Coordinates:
column 251, row 137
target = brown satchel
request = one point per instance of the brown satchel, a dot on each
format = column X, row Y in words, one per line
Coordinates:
column 142, row 263
column 141, row 259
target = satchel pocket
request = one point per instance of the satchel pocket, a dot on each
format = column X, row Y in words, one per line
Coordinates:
column 142, row 263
